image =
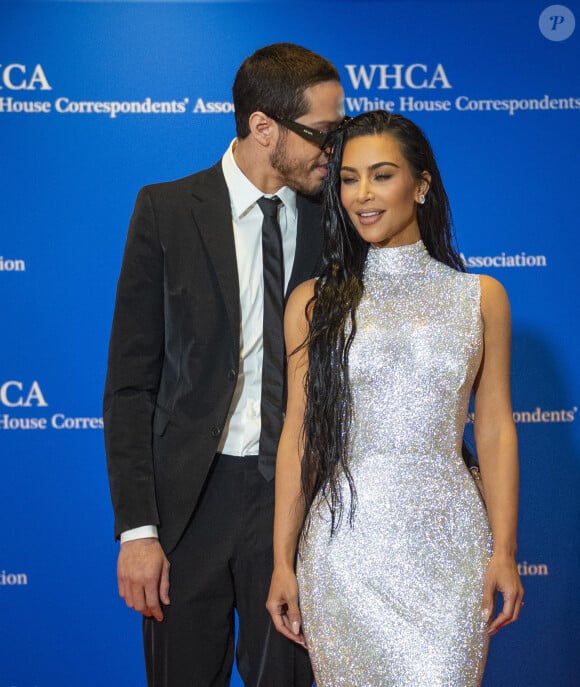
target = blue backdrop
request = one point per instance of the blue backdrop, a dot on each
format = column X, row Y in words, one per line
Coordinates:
column 100, row 98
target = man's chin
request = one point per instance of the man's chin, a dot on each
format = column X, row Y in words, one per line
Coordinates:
column 312, row 188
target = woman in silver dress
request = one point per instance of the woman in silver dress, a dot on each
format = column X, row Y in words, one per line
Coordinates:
column 398, row 559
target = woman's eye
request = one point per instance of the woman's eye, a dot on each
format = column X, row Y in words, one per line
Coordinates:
column 347, row 180
column 383, row 177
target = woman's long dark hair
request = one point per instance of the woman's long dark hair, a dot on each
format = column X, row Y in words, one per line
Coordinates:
column 336, row 296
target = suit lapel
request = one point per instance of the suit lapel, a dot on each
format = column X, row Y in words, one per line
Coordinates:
column 211, row 211
column 308, row 242
column 212, row 216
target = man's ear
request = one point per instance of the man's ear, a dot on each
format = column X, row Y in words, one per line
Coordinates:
column 263, row 128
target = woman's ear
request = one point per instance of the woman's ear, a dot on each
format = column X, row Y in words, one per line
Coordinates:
column 423, row 186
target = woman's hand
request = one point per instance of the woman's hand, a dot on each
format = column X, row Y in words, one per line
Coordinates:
column 283, row 605
column 502, row 576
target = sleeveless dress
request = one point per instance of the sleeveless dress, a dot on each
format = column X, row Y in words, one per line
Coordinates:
column 396, row 599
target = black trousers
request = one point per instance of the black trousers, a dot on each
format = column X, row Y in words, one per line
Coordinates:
column 224, row 562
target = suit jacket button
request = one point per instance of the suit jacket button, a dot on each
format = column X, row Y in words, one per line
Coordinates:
column 215, row 431
column 232, row 375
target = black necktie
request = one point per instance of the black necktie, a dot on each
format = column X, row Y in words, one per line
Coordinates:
column 273, row 337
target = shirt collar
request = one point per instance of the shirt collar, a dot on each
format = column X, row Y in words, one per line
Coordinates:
column 244, row 195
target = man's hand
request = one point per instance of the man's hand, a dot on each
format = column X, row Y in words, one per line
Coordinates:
column 143, row 576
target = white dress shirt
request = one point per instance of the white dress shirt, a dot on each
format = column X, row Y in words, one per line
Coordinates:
column 241, row 435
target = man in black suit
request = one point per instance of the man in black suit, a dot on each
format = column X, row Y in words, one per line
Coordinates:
column 192, row 487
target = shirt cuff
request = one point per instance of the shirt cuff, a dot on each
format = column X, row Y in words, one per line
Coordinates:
column 140, row 533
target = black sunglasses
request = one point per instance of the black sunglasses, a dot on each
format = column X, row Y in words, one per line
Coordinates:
column 322, row 139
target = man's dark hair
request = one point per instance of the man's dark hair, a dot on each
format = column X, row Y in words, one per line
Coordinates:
column 273, row 81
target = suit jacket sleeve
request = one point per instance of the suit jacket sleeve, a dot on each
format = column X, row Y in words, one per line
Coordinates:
column 134, row 370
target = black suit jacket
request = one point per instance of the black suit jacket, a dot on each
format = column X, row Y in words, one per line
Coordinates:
column 174, row 349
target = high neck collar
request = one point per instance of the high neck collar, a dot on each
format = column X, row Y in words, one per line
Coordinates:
column 409, row 258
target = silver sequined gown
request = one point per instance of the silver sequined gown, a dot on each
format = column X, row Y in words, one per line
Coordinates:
column 396, row 599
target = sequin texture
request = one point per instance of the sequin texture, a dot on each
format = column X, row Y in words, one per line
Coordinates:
column 396, row 599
